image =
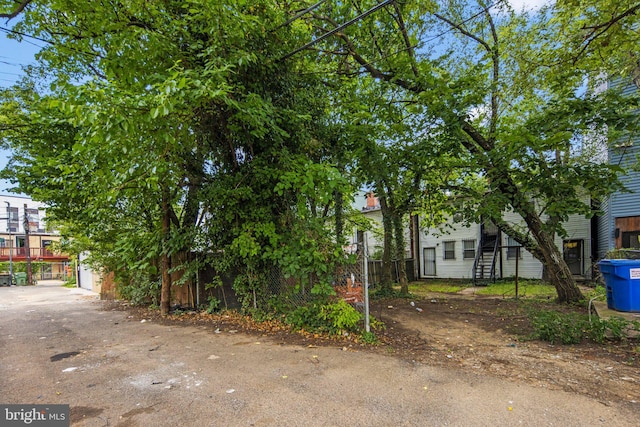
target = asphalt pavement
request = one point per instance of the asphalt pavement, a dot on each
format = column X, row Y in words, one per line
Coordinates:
column 60, row 346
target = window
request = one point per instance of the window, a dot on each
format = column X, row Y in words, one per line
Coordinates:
column 631, row 239
column 2, row 242
column 450, row 250
column 14, row 220
column 513, row 249
column 469, row 249
column 34, row 218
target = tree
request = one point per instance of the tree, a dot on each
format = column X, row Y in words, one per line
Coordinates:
column 473, row 67
column 169, row 118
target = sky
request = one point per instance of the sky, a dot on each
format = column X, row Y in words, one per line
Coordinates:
column 15, row 55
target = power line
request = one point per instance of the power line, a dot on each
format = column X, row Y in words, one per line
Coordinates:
column 9, row 73
column 11, row 64
column 452, row 28
column 10, row 31
column 422, row 43
column 338, row 28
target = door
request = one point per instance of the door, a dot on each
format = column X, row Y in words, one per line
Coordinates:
column 490, row 234
column 20, row 246
column 46, row 272
column 572, row 253
column 429, row 258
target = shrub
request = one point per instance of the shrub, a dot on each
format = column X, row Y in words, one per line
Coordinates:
column 340, row 316
column 333, row 317
column 573, row 328
column 562, row 328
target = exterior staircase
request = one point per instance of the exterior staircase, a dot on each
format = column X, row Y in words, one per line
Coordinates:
column 484, row 265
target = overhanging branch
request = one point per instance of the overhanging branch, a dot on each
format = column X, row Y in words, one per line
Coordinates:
column 17, row 11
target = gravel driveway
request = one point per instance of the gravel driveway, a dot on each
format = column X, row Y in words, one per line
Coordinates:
column 57, row 346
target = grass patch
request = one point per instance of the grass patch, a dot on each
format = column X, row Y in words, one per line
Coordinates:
column 69, row 285
column 526, row 288
column 423, row 289
column 503, row 288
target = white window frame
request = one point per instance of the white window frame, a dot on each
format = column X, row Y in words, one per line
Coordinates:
column 511, row 252
column 471, row 250
column 452, row 251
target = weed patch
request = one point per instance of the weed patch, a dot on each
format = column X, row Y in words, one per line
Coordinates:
column 574, row 328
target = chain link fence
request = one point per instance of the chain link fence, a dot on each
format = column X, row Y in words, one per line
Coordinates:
column 347, row 280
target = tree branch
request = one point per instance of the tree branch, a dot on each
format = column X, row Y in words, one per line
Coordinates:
column 464, row 32
column 613, row 20
column 495, row 59
column 603, row 27
column 17, row 11
column 405, row 36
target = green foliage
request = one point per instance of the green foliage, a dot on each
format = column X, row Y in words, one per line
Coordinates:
column 341, row 316
column 559, row 328
column 208, row 118
column 323, row 290
column 598, row 292
column 622, row 254
column 252, row 290
column 333, row 317
column 21, row 267
column 422, row 289
column 306, row 317
column 369, row 338
column 140, row 291
column 386, row 292
column 213, row 304
column 135, row 101
column 526, row 288
column 574, row 328
column 71, row 280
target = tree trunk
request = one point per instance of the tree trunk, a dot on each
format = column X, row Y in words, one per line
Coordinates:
column 386, row 284
column 545, row 249
column 165, row 293
column 339, row 220
column 548, row 253
column 400, row 257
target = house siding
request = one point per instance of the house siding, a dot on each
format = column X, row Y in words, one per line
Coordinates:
column 620, row 204
column 459, row 267
column 605, row 229
column 577, row 228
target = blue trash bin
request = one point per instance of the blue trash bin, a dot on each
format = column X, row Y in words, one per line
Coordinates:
column 622, row 278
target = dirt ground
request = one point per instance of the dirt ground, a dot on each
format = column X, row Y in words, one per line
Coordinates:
column 489, row 336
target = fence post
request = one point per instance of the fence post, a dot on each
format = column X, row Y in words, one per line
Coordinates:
column 27, row 248
column 367, row 326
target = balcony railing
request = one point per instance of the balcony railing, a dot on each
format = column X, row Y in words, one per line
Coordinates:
column 35, row 253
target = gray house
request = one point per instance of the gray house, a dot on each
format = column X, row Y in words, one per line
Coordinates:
column 619, row 226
